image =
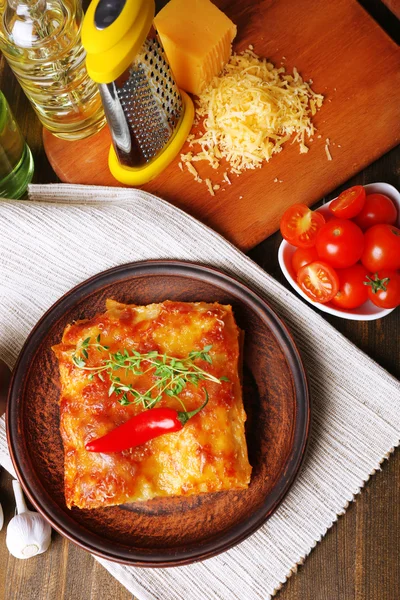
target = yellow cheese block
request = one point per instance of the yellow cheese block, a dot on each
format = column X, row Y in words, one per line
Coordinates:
column 197, row 39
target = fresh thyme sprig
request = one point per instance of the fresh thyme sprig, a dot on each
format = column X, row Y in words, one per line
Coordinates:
column 80, row 361
column 171, row 374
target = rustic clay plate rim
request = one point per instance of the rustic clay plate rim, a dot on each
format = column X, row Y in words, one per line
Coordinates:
column 283, row 481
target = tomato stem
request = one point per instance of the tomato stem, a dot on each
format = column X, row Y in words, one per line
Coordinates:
column 377, row 284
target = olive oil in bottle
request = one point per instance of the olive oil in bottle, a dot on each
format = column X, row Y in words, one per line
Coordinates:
column 42, row 43
column 16, row 163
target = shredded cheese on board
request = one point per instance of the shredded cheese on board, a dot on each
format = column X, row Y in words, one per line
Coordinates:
column 210, row 187
column 327, row 151
column 250, row 111
column 193, row 171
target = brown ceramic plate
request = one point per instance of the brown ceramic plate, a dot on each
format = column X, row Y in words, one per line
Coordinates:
column 169, row 531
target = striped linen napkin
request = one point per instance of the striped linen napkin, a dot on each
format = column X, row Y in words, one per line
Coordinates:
column 356, row 416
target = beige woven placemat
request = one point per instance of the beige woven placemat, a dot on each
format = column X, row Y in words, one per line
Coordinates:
column 45, row 249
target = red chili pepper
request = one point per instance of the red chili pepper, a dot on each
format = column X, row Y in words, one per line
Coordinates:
column 143, row 427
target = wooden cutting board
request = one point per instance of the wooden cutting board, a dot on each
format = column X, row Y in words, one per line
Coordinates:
column 351, row 61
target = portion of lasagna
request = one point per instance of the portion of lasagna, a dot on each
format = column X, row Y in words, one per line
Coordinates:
column 209, row 454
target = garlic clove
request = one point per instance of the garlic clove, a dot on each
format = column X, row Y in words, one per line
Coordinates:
column 28, row 533
column 30, row 550
column 1, row 518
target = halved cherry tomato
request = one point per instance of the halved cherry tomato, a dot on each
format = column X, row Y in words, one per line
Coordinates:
column 381, row 248
column 352, row 290
column 303, row 256
column 349, row 203
column 384, row 289
column 300, row 225
column 376, row 210
column 318, row 281
column 340, row 243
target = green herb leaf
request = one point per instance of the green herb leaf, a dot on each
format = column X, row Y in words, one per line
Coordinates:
column 124, row 400
column 170, row 374
column 79, row 362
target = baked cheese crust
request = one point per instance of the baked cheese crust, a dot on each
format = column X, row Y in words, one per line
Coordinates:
column 208, row 455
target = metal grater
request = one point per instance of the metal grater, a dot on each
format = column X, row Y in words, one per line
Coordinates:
column 143, row 106
column 148, row 116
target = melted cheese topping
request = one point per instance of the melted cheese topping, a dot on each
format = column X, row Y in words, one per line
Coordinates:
column 208, row 455
column 250, row 111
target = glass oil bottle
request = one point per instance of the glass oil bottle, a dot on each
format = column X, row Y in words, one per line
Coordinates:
column 16, row 162
column 41, row 41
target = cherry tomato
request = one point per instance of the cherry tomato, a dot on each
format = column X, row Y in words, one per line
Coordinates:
column 376, row 210
column 340, row 243
column 303, row 256
column 352, row 290
column 318, row 281
column 300, row 225
column 384, row 289
column 349, row 203
column 381, row 248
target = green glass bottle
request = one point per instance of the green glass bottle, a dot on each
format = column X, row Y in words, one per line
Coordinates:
column 16, row 162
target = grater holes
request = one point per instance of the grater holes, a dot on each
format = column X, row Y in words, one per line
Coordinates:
column 154, row 107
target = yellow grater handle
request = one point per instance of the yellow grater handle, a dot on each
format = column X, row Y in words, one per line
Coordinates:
column 113, row 32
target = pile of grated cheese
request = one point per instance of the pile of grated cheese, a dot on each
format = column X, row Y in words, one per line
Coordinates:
column 249, row 112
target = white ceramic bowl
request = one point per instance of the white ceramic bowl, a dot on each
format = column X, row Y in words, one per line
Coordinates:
column 367, row 311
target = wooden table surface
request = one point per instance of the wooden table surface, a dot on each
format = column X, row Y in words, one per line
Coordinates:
column 359, row 558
